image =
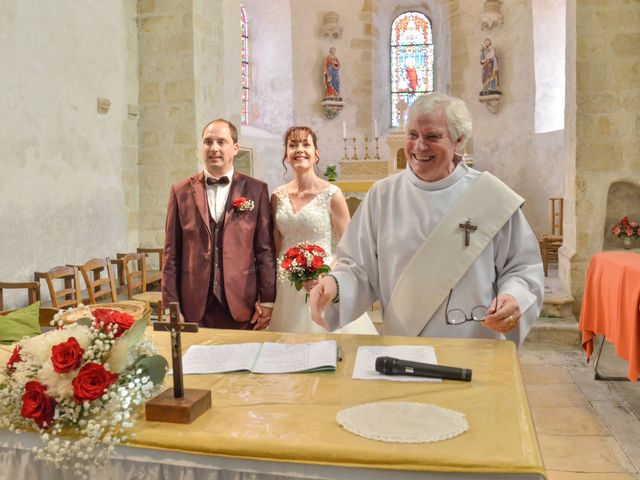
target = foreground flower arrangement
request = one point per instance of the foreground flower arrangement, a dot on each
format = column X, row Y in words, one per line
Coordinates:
column 85, row 381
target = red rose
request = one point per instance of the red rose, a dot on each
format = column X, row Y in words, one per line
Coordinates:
column 293, row 252
column 629, row 232
column 310, row 248
column 238, row 202
column 625, row 221
column 37, row 405
column 616, row 230
column 66, row 356
column 302, row 260
column 317, row 262
column 91, row 382
column 286, row 264
column 319, row 250
column 15, row 358
column 106, row 319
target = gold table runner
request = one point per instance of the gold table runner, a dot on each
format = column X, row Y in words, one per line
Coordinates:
column 291, row 417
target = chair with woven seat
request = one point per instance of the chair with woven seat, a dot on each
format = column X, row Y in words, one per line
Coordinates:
column 33, row 295
column 99, row 287
column 69, row 296
column 134, row 266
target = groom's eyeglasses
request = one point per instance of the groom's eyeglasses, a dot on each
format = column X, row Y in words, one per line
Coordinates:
column 455, row 316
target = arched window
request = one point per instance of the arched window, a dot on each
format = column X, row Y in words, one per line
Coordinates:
column 411, row 61
column 244, row 110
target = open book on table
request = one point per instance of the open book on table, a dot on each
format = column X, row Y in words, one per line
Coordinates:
column 264, row 357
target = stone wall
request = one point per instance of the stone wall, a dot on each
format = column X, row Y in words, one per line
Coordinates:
column 608, row 118
column 62, row 162
column 505, row 143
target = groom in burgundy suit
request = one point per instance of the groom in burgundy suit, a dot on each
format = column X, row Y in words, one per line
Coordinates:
column 219, row 251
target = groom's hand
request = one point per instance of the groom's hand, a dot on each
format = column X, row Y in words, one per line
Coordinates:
column 261, row 317
column 320, row 297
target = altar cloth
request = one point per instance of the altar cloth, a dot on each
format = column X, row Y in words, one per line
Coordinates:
column 288, row 421
column 291, row 417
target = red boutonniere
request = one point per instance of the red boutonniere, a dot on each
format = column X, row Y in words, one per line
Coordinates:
column 242, row 204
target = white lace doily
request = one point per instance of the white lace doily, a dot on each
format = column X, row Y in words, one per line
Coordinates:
column 402, row 422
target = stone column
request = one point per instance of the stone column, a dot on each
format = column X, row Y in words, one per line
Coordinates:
column 181, row 78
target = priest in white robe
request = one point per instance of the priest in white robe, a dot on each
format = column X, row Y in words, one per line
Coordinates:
column 435, row 242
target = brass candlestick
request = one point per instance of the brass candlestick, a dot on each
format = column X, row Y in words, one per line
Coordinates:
column 366, row 148
column 345, row 156
column 355, row 153
column 377, row 154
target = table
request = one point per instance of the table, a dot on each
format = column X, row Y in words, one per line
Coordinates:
column 611, row 306
column 283, row 426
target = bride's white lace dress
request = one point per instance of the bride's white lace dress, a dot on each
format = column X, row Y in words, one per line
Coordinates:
column 312, row 223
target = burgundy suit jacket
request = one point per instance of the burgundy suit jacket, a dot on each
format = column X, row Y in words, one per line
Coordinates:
column 248, row 252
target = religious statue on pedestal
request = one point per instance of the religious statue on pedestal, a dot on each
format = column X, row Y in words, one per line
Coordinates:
column 332, row 103
column 332, row 74
column 489, row 62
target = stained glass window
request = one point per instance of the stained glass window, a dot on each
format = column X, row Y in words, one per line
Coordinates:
column 411, row 61
column 244, row 111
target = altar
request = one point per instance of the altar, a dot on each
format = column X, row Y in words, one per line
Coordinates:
column 283, row 426
column 357, row 175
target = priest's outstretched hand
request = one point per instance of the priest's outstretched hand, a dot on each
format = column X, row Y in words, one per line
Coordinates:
column 503, row 315
column 322, row 294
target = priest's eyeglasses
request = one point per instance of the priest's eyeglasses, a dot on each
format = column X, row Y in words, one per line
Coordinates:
column 455, row 316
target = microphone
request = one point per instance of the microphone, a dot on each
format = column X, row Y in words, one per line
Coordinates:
column 395, row 366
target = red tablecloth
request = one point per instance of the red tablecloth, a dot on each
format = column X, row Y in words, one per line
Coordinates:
column 611, row 306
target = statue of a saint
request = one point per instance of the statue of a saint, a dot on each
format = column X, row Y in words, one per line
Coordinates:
column 489, row 62
column 332, row 74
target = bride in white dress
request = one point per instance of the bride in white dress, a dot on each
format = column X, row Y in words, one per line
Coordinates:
column 305, row 210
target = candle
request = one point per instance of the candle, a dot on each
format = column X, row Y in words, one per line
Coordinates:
column 375, row 128
column 344, row 129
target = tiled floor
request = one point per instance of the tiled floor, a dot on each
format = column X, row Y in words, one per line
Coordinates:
column 587, row 429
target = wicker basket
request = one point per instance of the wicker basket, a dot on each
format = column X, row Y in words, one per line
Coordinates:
column 134, row 308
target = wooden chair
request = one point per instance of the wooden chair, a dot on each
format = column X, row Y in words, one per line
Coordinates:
column 98, row 286
column 553, row 241
column 154, row 276
column 69, row 296
column 32, row 288
column 134, row 267
column 33, row 295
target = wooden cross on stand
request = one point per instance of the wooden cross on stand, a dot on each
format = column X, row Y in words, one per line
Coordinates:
column 179, row 405
column 175, row 327
column 468, row 229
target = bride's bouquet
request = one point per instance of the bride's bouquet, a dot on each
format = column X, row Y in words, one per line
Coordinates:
column 80, row 386
column 303, row 262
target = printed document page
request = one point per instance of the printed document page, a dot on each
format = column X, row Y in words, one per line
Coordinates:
column 296, row 357
column 364, row 367
column 220, row 358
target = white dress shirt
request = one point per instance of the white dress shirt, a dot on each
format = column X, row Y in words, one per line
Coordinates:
column 217, row 194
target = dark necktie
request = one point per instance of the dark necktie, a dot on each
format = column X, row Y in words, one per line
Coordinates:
column 220, row 181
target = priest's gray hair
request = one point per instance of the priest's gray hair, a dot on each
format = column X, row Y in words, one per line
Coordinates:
column 458, row 116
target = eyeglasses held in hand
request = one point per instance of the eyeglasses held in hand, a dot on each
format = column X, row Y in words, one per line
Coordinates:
column 455, row 316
